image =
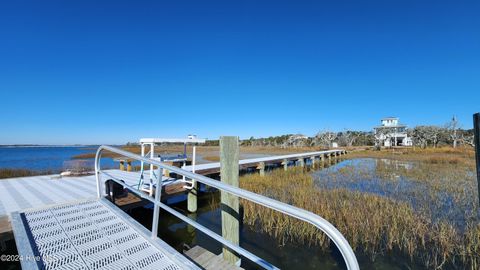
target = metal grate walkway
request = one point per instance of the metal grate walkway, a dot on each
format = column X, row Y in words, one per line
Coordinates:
column 88, row 235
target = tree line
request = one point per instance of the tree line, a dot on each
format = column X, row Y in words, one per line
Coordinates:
column 422, row 136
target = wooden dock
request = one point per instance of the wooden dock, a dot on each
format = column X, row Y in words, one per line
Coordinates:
column 261, row 163
column 35, row 191
column 69, row 223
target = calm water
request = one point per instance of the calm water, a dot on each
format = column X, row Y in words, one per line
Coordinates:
column 59, row 158
column 437, row 201
column 45, row 157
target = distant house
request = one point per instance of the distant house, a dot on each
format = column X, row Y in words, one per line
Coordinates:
column 296, row 140
column 392, row 133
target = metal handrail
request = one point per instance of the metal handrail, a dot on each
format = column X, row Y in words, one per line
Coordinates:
column 301, row 214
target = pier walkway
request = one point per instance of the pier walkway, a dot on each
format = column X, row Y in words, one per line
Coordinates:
column 259, row 163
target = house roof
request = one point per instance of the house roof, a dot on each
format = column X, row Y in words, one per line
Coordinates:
column 396, row 126
column 168, row 140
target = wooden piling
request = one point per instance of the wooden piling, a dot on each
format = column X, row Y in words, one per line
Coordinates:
column 261, row 168
column 192, row 193
column 129, row 166
column 229, row 154
column 312, row 158
column 302, row 162
column 192, row 198
column 285, row 164
column 476, row 128
column 122, row 165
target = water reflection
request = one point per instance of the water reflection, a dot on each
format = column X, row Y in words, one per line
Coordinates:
column 440, row 192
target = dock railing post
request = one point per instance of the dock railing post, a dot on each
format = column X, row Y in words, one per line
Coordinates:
column 229, row 154
column 156, row 207
column 476, row 128
column 152, row 155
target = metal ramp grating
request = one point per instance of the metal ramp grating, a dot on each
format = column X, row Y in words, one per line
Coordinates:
column 89, row 235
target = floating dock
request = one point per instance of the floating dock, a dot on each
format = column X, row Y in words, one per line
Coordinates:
column 90, row 235
column 21, row 193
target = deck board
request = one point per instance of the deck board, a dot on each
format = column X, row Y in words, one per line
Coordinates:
column 209, row 261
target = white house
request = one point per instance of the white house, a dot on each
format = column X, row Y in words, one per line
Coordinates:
column 392, row 133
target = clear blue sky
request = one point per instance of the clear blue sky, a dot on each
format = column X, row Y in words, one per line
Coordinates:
column 115, row 71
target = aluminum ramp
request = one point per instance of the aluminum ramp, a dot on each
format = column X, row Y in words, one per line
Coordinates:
column 89, row 234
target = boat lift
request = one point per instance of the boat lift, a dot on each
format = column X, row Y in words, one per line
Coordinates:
column 145, row 142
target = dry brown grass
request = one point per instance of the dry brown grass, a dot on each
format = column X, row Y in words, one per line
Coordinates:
column 371, row 223
column 9, row 173
column 212, row 158
column 443, row 155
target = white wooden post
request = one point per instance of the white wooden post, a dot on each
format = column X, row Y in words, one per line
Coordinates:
column 152, row 155
column 192, row 194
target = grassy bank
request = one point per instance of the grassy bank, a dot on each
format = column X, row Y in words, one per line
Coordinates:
column 373, row 224
column 9, row 173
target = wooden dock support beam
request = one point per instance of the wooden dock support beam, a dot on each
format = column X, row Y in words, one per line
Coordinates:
column 129, row 165
column 192, row 198
column 312, row 158
column 122, row 165
column 261, row 168
column 229, row 153
column 476, row 130
column 192, row 193
column 285, row 164
column 302, row 162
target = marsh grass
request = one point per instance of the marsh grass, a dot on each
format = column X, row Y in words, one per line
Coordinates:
column 373, row 224
column 464, row 156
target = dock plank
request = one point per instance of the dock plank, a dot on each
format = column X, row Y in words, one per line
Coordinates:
column 209, row 261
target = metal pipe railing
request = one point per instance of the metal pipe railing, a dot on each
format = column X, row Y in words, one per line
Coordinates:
column 298, row 213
